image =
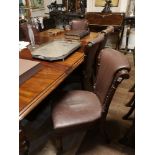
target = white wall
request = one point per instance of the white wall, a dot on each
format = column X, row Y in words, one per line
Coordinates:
column 122, row 6
column 41, row 12
column 47, row 2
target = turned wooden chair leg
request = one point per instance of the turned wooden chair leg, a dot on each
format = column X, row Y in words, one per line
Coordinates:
column 129, row 137
column 59, row 145
column 103, row 131
column 132, row 89
column 23, row 144
column 125, row 117
column 130, row 103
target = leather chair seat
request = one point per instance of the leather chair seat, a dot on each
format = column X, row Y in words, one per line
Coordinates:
column 75, row 108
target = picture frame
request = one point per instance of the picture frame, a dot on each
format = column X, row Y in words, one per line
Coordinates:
column 101, row 3
column 59, row 1
column 37, row 4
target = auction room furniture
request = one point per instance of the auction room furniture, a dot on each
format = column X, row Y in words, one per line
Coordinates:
column 91, row 59
column 24, row 30
column 91, row 50
column 39, row 86
column 43, row 83
column 78, row 24
column 129, row 22
column 106, row 32
column 99, row 21
column 79, row 109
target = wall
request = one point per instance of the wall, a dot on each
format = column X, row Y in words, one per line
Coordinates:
column 41, row 12
column 122, row 6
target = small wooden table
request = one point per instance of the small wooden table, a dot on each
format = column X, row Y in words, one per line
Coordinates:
column 35, row 89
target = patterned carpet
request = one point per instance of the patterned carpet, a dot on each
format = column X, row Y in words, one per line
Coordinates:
column 39, row 130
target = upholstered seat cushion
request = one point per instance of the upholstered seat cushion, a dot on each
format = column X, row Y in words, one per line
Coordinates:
column 76, row 108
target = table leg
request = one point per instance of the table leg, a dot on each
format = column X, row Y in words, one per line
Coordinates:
column 127, row 37
column 23, row 142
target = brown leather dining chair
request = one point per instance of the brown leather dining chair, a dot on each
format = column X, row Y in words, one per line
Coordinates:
column 24, row 29
column 90, row 63
column 87, row 71
column 79, row 109
column 91, row 51
column 107, row 32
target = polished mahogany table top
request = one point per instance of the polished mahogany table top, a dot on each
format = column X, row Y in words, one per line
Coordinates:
column 36, row 88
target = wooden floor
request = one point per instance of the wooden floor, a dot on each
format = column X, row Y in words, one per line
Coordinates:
column 40, row 133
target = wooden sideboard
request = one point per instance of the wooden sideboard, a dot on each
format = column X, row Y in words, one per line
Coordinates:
column 99, row 21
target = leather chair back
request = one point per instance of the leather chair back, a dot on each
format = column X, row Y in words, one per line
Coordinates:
column 79, row 24
column 104, row 33
column 108, row 30
column 90, row 62
column 24, row 29
column 103, row 42
column 113, row 68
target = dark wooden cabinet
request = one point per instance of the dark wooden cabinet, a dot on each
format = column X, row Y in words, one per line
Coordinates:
column 105, row 19
column 99, row 21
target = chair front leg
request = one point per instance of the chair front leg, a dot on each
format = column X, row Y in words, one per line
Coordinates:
column 59, row 145
column 103, row 130
column 23, row 143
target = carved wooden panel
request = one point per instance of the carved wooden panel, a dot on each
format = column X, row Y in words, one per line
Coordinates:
column 75, row 5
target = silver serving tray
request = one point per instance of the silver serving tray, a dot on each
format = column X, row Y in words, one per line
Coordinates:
column 55, row 50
